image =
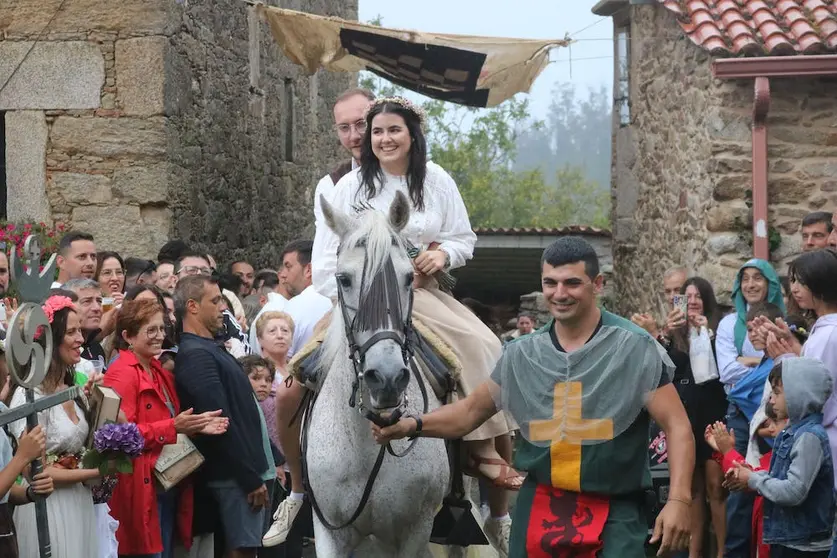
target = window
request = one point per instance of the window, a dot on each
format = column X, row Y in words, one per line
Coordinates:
column 622, row 89
column 289, row 102
column 3, row 191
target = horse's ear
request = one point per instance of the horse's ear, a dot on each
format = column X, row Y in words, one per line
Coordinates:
column 399, row 212
column 336, row 220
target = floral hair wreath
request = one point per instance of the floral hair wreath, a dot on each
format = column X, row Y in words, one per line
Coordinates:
column 402, row 102
column 55, row 304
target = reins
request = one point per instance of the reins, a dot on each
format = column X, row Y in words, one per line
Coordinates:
column 357, row 355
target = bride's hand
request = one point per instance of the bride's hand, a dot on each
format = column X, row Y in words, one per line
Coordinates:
column 430, row 261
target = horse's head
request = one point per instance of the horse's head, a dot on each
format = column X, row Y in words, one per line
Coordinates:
column 374, row 285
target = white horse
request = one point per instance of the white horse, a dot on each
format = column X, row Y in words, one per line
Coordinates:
column 374, row 278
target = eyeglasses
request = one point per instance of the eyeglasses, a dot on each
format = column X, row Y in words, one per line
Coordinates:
column 195, row 270
column 155, row 331
column 112, row 273
column 346, row 129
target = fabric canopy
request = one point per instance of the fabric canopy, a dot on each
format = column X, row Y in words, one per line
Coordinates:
column 469, row 70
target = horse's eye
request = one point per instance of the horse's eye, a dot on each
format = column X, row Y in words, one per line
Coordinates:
column 345, row 281
column 409, row 279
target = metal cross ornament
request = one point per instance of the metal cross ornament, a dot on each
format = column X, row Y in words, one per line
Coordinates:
column 28, row 356
column 32, row 284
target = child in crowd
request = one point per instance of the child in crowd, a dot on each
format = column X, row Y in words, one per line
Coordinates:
column 723, row 442
column 14, row 462
column 261, row 373
column 798, row 489
column 757, row 380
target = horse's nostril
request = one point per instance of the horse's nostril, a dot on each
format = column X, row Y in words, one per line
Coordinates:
column 397, row 382
column 403, row 379
column 374, row 379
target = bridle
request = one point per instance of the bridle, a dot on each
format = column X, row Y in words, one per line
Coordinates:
column 371, row 312
column 357, row 353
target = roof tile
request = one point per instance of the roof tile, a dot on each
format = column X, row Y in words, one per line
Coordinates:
column 759, row 28
column 541, row 231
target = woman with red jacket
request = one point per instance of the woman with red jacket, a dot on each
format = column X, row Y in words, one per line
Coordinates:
column 146, row 513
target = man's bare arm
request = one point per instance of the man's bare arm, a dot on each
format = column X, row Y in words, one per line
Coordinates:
column 449, row 421
column 673, row 523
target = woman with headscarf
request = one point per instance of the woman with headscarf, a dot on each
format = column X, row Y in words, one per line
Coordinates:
column 756, row 281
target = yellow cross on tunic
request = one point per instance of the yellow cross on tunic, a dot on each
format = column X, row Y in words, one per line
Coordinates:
column 567, row 430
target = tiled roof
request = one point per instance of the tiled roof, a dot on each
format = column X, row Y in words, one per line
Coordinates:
column 759, row 27
column 541, row 231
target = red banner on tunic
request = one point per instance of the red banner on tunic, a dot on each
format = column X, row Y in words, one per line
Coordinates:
column 565, row 524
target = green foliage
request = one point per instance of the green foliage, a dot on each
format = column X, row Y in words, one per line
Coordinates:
column 107, row 462
column 577, row 133
column 774, row 239
column 479, row 148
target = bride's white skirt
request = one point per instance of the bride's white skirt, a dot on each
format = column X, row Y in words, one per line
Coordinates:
column 72, row 525
column 106, row 527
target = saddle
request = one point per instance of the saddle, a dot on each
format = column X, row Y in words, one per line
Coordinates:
column 436, row 361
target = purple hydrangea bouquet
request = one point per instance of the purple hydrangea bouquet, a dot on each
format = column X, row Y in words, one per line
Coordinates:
column 114, row 444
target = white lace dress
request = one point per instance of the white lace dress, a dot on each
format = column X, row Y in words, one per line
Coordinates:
column 444, row 219
column 72, row 521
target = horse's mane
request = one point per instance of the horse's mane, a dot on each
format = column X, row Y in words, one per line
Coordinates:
column 375, row 234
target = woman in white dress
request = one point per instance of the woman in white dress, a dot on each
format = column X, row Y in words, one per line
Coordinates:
column 393, row 159
column 72, row 521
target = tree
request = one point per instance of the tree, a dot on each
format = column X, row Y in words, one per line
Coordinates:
column 577, row 133
column 479, row 148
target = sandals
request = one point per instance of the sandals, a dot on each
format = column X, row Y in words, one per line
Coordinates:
column 507, row 474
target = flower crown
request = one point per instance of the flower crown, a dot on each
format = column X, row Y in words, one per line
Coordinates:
column 55, row 304
column 402, row 102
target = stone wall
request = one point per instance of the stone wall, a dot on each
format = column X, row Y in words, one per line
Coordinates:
column 248, row 148
column 140, row 121
column 91, row 153
column 682, row 169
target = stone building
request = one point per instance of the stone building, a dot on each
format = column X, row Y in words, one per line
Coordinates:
column 723, row 111
column 146, row 120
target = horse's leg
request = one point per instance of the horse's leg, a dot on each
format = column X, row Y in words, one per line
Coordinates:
column 334, row 544
column 414, row 542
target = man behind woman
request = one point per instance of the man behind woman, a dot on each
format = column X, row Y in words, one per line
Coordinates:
column 148, row 515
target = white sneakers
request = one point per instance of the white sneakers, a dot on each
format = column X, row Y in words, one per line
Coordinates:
column 497, row 531
column 283, row 521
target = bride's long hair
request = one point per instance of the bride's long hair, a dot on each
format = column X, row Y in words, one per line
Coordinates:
column 371, row 173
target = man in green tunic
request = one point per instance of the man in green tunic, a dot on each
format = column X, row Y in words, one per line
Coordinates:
column 583, row 389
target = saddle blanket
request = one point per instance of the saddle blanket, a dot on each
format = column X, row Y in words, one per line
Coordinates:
column 433, row 357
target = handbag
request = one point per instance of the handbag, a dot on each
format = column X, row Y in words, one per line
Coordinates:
column 178, row 460
column 701, row 356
